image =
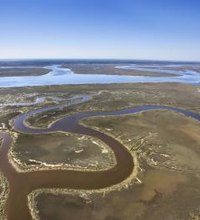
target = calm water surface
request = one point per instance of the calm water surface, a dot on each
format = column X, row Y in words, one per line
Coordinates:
column 62, row 76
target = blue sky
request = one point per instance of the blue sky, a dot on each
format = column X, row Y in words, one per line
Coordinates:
column 126, row 29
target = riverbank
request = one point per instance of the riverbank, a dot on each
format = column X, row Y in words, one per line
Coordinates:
column 115, row 95
column 161, row 155
column 64, row 76
column 17, row 72
column 110, row 69
column 4, row 191
column 63, row 151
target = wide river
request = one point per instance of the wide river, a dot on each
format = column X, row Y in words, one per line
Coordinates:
column 21, row 184
column 64, row 76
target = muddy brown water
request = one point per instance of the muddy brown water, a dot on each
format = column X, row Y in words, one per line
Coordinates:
column 21, row 184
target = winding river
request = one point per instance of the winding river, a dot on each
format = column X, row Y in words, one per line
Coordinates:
column 21, row 184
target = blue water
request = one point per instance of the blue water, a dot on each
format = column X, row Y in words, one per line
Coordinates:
column 61, row 76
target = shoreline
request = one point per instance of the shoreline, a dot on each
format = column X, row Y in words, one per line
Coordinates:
column 23, row 71
column 179, row 103
column 111, row 69
column 4, row 185
column 64, row 76
column 44, row 166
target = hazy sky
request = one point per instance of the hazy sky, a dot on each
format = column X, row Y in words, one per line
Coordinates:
column 134, row 29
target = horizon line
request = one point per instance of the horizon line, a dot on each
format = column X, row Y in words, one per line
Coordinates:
column 100, row 59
